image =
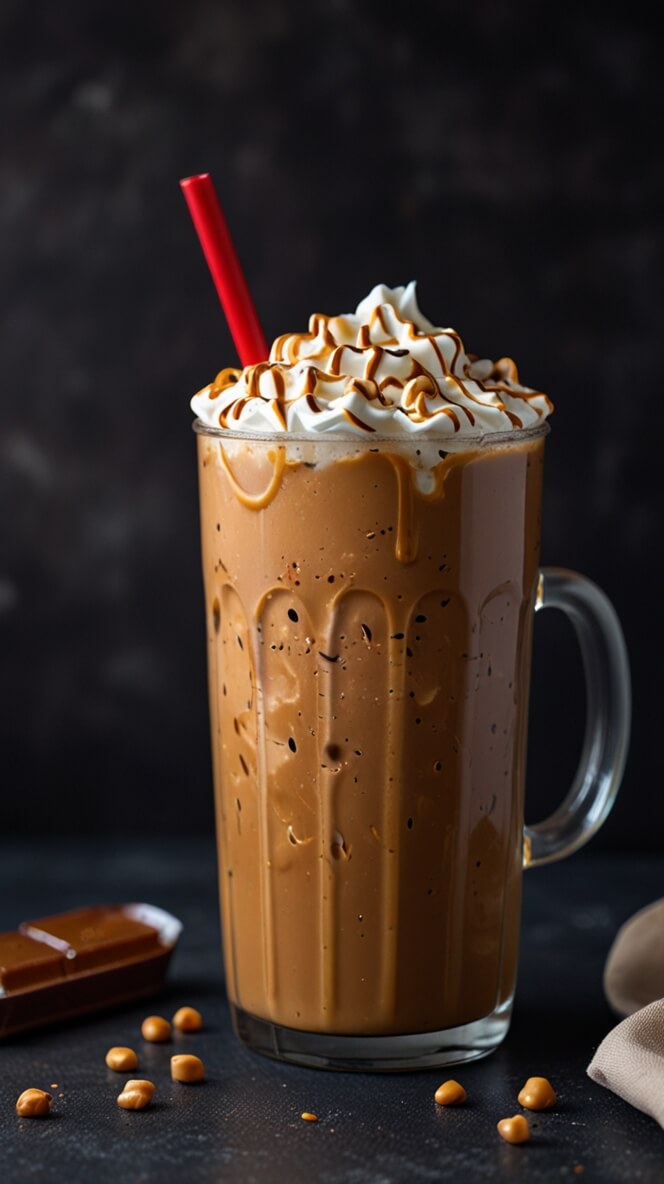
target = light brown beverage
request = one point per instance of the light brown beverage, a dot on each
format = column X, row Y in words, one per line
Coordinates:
column 369, row 655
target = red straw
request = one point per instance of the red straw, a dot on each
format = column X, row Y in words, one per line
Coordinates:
column 215, row 239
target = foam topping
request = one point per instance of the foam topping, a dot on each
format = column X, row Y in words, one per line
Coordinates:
column 384, row 370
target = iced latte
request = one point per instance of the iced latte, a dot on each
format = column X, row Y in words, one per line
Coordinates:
column 370, row 502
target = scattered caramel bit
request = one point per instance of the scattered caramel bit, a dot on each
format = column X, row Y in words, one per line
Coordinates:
column 307, row 1116
column 537, row 1094
column 514, row 1130
column 187, row 1068
column 156, row 1029
column 55, row 1085
column 187, row 1019
column 450, row 1093
column 34, row 1103
column 121, row 1059
column 136, row 1095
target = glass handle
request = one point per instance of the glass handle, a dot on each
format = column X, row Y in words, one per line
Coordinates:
column 608, row 714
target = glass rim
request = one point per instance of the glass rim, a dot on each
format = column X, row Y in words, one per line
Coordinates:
column 458, row 442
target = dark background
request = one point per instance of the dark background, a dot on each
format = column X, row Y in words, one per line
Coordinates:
column 505, row 155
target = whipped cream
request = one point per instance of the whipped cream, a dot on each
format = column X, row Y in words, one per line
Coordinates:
column 384, row 370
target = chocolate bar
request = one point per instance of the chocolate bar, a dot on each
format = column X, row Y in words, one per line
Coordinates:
column 81, row 961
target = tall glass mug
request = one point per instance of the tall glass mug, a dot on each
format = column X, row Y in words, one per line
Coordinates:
column 370, row 615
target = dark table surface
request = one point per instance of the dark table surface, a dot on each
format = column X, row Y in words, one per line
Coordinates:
column 243, row 1123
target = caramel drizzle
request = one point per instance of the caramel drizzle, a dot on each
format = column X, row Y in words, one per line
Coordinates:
column 288, row 349
column 449, row 411
column 458, row 347
column 321, row 326
column 224, row 379
column 418, row 390
column 514, row 419
column 254, row 376
column 527, row 396
column 310, row 380
column 335, row 360
column 359, row 423
column 279, row 412
column 377, row 315
column 373, row 363
column 439, row 355
column 391, row 380
column 368, row 389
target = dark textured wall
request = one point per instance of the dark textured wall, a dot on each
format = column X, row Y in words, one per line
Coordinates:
column 503, row 154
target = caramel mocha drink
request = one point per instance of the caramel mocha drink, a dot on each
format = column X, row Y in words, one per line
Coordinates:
column 370, row 527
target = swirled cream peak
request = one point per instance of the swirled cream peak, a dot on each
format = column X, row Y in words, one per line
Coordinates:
column 384, row 369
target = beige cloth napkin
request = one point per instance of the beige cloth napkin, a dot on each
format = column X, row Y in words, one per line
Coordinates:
column 630, row 1060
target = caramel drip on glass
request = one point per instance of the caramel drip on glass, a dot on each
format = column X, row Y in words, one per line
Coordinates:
column 406, row 535
column 329, row 902
column 257, row 501
column 269, row 961
column 394, row 759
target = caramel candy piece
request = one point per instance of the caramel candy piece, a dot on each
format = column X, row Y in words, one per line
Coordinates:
column 187, row 1068
column 136, row 1095
column 156, row 1029
column 537, row 1094
column 514, row 1130
column 121, row 1059
column 307, row 1116
column 34, row 1103
column 450, row 1093
column 188, row 1019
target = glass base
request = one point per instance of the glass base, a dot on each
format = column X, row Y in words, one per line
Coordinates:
column 374, row 1054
